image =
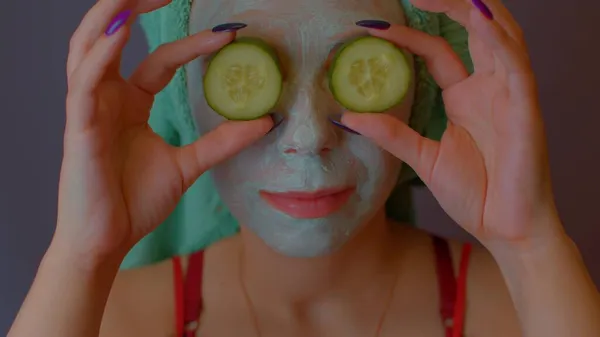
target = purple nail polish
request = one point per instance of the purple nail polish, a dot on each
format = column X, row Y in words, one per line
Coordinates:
column 375, row 24
column 277, row 120
column 484, row 9
column 117, row 22
column 335, row 119
column 229, row 27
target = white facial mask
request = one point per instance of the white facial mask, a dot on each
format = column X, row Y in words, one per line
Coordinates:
column 306, row 152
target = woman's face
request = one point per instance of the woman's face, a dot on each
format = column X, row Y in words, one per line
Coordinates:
column 308, row 186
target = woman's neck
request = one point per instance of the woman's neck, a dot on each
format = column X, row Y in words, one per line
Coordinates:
column 367, row 259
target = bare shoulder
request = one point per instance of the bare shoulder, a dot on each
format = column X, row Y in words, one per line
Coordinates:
column 490, row 310
column 141, row 303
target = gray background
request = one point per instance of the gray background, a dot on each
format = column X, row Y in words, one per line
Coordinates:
column 34, row 35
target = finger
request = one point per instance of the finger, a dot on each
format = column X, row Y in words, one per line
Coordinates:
column 506, row 20
column 93, row 68
column 98, row 19
column 482, row 57
column 459, row 11
column 508, row 52
column 94, row 23
column 86, row 78
column 397, row 138
column 157, row 70
column 442, row 62
column 141, row 6
column 225, row 141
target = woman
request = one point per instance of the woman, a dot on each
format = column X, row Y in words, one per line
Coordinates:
column 333, row 265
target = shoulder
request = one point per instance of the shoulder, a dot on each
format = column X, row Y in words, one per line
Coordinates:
column 149, row 291
column 489, row 308
column 137, row 294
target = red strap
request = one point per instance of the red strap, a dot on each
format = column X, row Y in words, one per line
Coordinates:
column 460, row 308
column 178, row 282
column 193, row 293
column 453, row 293
column 446, row 283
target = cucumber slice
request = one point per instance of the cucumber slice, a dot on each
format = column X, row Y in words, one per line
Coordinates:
column 243, row 81
column 369, row 74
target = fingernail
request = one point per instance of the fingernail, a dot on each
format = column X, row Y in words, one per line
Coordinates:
column 336, row 120
column 117, row 22
column 484, row 9
column 229, row 27
column 375, row 24
column 277, row 120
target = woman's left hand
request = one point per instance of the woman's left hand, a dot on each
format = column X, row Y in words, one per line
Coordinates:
column 490, row 170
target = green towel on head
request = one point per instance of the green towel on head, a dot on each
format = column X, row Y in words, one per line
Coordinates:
column 201, row 218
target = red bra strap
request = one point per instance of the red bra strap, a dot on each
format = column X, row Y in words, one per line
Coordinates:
column 461, row 300
column 453, row 293
column 446, row 283
column 193, row 294
column 178, row 288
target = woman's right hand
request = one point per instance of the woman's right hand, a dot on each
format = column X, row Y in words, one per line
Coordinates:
column 120, row 180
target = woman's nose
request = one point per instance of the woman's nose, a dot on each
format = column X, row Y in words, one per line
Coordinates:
column 308, row 130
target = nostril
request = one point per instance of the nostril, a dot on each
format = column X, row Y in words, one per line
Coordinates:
column 325, row 150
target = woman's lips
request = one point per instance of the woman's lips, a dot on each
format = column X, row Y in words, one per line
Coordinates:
column 308, row 205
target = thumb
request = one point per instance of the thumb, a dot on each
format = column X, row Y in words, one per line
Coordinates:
column 220, row 144
column 397, row 138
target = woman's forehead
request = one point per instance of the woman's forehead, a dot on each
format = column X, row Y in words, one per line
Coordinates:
column 314, row 6
column 207, row 13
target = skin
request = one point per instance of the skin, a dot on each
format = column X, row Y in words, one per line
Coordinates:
column 307, row 152
column 489, row 173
